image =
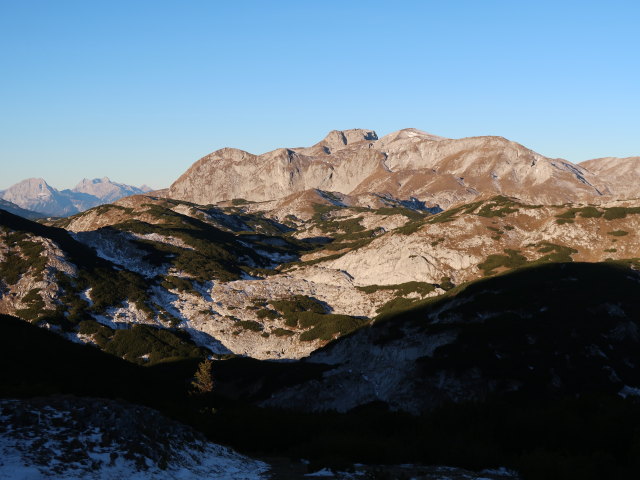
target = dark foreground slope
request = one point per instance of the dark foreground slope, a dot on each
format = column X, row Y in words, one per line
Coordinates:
column 564, row 418
column 36, row 361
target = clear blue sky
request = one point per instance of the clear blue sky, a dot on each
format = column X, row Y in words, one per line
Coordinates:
column 138, row 90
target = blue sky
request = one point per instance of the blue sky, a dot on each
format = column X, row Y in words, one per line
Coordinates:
column 139, row 90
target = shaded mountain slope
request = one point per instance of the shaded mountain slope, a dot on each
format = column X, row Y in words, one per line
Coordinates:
column 37, row 361
column 16, row 210
column 553, row 330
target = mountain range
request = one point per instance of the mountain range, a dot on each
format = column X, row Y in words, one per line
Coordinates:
column 405, row 164
column 453, row 293
column 235, row 274
column 36, row 195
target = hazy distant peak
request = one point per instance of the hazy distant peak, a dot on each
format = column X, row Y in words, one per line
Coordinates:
column 87, row 182
column 34, row 185
column 105, row 190
column 34, row 181
column 36, row 195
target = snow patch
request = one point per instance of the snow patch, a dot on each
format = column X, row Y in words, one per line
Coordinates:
column 628, row 391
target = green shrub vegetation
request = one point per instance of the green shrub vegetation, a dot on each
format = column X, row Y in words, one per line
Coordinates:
column 554, row 253
column 512, row 259
column 24, row 256
column 401, row 289
column 250, row 325
column 308, row 313
column 407, row 212
column 396, row 305
column 625, row 262
column 293, row 307
column 324, row 258
column 446, row 284
column 615, row 213
column 447, row 215
column 327, row 327
column 171, row 282
column 158, row 343
column 102, row 209
column 240, row 201
column 498, row 207
column 410, row 227
column 35, row 308
column 282, row 332
column 437, row 242
column 267, row 313
column 618, row 233
column 298, row 303
column 584, row 212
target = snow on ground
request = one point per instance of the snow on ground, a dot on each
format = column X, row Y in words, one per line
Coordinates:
column 325, row 472
column 123, row 316
column 275, row 257
column 119, row 248
column 71, row 438
column 156, row 237
column 86, row 296
column 628, row 391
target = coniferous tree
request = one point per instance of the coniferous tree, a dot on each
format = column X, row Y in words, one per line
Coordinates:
column 203, row 379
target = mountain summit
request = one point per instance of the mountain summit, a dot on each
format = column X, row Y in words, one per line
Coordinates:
column 106, row 190
column 37, row 195
column 405, row 164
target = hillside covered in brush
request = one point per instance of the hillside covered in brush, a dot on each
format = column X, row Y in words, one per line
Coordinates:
column 232, row 279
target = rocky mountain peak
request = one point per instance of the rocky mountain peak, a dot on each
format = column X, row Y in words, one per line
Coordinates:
column 409, row 163
column 30, row 184
column 338, row 139
column 94, row 181
column 32, row 194
column 105, row 190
